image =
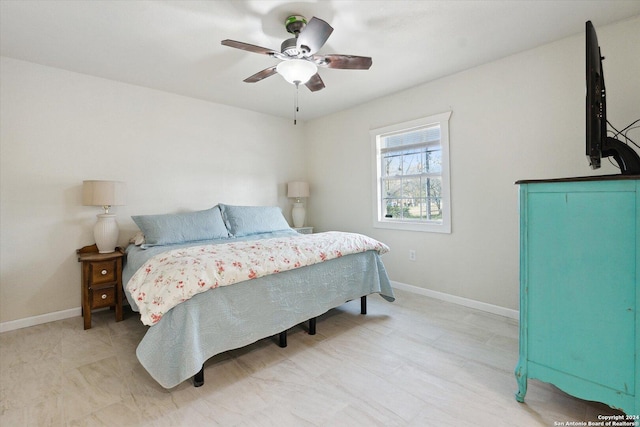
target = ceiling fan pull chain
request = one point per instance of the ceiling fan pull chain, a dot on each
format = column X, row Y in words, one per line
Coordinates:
column 295, row 106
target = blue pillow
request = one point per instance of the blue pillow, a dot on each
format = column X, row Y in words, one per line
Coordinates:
column 246, row 220
column 182, row 227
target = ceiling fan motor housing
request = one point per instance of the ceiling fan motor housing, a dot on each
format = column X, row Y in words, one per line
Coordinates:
column 289, row 47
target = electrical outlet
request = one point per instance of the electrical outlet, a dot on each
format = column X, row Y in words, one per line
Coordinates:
column 412, row 255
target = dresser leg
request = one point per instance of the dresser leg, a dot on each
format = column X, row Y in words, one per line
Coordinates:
column 521, row 378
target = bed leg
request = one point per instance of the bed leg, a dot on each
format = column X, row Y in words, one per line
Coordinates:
column 363, row 305
column 282, row 339
column 312, row 326
column 198, row 379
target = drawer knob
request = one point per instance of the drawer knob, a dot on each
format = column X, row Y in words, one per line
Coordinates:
column 104, row 296
column 103, row 272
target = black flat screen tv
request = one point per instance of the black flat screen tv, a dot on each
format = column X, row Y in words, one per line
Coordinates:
column 598, row 143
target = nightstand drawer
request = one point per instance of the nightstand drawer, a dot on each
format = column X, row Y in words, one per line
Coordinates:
column 103, row 297
column 103, row 272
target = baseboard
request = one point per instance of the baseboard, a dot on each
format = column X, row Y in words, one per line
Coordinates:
column 489, row 308
column 38, row 320
column 75, row 312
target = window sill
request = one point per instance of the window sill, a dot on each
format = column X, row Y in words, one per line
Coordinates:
column 432, row 227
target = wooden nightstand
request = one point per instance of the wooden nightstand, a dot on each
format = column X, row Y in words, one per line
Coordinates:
column 304, row 230
column 101, row 281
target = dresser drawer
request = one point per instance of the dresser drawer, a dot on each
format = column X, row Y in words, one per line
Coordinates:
column 103, row 297
column 103, row 272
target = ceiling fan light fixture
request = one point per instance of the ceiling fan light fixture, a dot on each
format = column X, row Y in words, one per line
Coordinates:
column 297, row 71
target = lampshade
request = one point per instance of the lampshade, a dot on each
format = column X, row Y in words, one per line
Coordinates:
column 297, row 71
column 103, row 193
column 297, row 189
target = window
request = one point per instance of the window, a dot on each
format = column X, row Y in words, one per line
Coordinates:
column 412, row 175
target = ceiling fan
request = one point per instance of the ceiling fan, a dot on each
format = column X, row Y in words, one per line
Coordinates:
column 299, row 59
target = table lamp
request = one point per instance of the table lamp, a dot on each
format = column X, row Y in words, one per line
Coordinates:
column 298, row 190
column 105, row 194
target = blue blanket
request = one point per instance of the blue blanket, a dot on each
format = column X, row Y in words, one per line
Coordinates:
column 230, row 317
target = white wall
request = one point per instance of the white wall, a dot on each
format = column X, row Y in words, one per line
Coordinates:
column 518, row 118
column 176, row 154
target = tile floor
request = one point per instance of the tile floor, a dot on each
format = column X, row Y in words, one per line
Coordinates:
column 414, row 362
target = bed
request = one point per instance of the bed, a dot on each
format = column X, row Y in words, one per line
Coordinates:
column 264, row 299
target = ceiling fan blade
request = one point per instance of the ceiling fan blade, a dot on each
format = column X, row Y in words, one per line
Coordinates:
column 249, row 47
column 260, row 75
column 313, row 36
column 345, row 62
column 315, row 83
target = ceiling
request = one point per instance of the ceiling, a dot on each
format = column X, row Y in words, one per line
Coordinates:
column 174, row 46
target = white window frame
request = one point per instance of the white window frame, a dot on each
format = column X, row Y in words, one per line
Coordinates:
column 435, row 226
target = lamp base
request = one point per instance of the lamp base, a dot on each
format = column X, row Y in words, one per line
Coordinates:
column 106, row 233
column 298, row 213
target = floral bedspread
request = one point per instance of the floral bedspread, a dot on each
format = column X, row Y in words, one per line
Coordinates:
column 174, row 276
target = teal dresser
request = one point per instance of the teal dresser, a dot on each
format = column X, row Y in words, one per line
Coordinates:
column 580, row 288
